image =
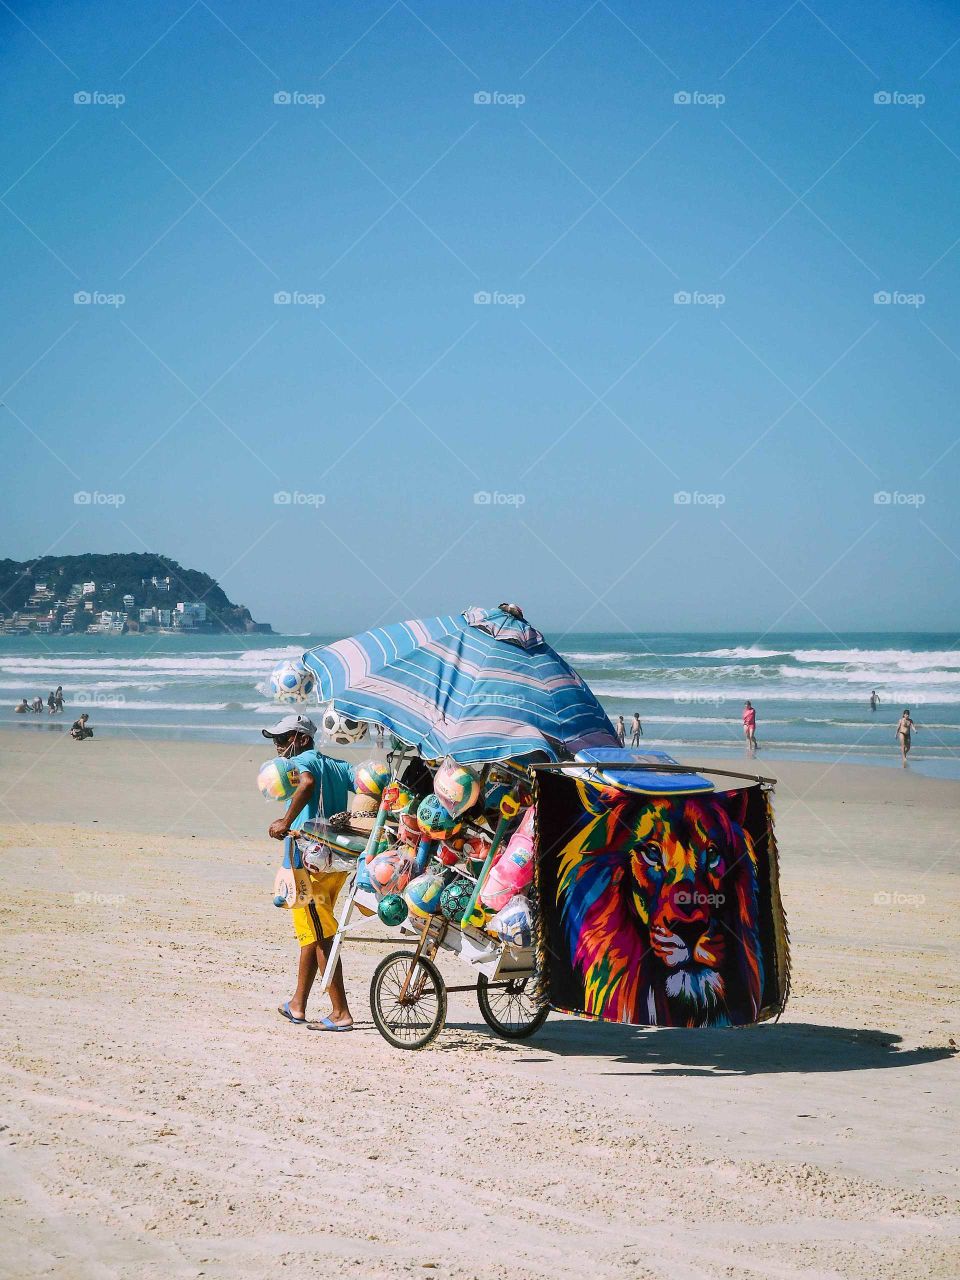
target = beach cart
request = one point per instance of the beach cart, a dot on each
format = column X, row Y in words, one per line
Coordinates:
column 408, row 994
column 650, row 894
column 606, row 931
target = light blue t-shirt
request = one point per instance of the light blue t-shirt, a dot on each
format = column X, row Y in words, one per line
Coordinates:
column 333, row 779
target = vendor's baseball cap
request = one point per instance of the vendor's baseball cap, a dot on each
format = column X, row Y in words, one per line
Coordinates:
column 291, row 723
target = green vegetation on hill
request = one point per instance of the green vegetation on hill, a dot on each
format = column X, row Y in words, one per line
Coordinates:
column 115, row 576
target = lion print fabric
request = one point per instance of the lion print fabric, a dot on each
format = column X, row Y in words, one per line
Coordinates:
column 659, row 910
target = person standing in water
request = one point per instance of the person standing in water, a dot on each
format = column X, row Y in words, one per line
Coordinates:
column 874, row 699
column 621, row 731
column 636, row 730
column 750, row 727
column 905, row 729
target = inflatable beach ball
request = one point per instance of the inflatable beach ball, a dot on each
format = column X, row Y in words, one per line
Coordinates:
column 434, row 819
column 392, row 910
column 457, row 786
column 422, row 895
column 390, row 873
column 291, row 682
column 277, row 780
column 454, row 899
column 341, row 729
column 370, row 778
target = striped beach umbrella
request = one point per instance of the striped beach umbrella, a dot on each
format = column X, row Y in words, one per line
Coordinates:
column 479, row 686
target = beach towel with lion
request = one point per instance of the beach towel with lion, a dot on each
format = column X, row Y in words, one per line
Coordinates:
column 659, row 910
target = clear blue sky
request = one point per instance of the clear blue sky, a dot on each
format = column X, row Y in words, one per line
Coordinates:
column 598, row 199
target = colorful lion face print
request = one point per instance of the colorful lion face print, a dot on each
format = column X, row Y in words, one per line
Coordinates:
column 660, row 911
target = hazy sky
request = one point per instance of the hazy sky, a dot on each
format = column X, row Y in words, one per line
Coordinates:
column 781, row 197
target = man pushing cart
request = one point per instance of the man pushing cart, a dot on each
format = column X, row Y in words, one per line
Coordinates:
column 565, row 871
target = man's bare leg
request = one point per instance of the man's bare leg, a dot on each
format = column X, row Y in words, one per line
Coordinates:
column 306, row 972
column 339, row 1009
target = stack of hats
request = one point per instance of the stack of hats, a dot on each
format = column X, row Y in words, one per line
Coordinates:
column 359, row 819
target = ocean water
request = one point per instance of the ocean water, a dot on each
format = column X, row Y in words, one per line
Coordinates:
column 811, row 692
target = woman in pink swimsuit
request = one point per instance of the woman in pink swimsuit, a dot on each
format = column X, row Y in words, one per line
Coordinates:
column 750, row 726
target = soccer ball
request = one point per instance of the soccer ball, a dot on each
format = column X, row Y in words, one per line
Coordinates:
column 291, row 682
column 392, row 909
column 454, row 899
column 341, row 729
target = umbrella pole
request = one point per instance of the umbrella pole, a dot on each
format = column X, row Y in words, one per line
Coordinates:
column 372, row 841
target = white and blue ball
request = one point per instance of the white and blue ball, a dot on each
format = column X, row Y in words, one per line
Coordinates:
column 291, row 682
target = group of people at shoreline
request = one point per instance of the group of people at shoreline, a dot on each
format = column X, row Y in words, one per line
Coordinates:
column 79, row 730
column 54, row 703
column 906, row 727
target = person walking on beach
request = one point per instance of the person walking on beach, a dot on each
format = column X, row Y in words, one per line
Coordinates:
column 874, row 699
column 750, row 727
column 52, row 703
column 58, row 697
column 324, row 783
column 636, row 730
column 621, row 731
column 905, row 729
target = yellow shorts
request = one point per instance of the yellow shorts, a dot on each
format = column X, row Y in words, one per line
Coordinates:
column 326, row 886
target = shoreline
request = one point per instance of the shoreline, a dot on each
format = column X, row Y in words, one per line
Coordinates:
column 943, row 767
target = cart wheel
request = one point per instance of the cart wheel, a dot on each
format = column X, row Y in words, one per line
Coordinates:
column 413, row 1020
column 511, row 1010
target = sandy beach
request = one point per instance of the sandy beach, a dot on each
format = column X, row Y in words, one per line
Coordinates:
column 160, row 1120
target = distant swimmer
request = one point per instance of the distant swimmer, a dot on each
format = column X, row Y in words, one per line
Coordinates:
column 905, row 731
column 874, row 700
column 22, row 706
column 636, row 730
column 750, row 727
column 621, row 731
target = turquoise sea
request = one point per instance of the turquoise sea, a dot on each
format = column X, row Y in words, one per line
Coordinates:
column 811, row 691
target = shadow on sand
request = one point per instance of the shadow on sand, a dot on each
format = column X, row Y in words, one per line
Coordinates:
column 781, row 1048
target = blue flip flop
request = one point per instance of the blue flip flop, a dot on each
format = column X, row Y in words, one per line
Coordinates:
column 284, row 1011
column 328, row 1024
